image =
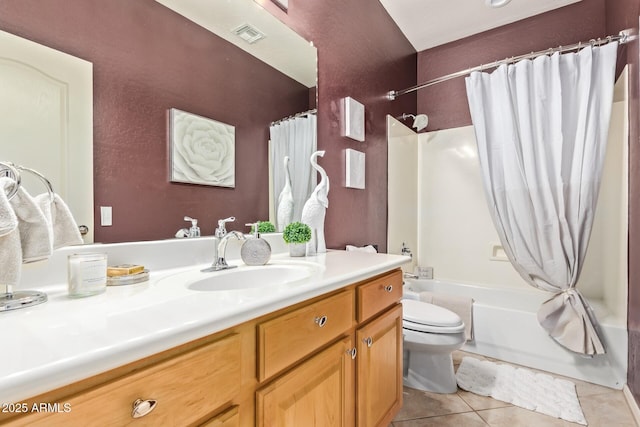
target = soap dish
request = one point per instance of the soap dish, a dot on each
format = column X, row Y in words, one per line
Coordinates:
column 128, row 279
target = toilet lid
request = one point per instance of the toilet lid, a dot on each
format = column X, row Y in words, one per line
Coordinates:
column 429, row 314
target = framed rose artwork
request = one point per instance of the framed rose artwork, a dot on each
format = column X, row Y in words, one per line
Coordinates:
column 202, row 150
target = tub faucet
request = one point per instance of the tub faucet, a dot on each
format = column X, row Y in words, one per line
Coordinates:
column 220, row 262
column 405, row 250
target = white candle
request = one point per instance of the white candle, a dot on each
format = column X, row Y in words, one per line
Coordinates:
column 87, row 274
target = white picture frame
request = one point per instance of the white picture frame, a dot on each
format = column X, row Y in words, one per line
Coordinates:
column 355, row 169
column 202, row 150
column 352, row 119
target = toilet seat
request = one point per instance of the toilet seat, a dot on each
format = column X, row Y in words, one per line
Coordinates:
column 425, row 317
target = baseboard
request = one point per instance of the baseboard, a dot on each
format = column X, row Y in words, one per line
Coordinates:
column 633, row 405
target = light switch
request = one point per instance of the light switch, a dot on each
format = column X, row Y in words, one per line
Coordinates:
column 105, row 216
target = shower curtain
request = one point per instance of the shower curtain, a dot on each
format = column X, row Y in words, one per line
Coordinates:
column 296, row 138
column 541, row 128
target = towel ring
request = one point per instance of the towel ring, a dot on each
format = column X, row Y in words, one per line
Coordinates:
column 9, row 170
column 21, row 299
column 42, row 178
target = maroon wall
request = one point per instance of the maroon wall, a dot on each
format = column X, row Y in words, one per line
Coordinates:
column 146, row 60
column 361, row 54
column 446, row 103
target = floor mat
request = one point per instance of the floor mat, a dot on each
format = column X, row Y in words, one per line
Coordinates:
column 521, row 387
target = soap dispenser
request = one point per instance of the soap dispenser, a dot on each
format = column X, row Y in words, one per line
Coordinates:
column 255, row 250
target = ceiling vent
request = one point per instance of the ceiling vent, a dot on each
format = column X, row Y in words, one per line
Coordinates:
column 248, row 33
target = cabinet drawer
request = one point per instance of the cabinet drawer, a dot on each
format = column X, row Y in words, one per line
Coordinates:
column 187, row 388
column 288, row 338
column 378, row 294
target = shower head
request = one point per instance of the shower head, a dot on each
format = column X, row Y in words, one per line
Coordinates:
column 419, row 122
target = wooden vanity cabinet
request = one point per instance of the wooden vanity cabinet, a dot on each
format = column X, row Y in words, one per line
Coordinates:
column 334, row 360
column 317, row 388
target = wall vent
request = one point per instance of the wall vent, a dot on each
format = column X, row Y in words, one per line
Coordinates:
column 248, row 33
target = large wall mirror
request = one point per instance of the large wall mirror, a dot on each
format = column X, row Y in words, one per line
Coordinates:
column 147, row 58
column 150, row 56
column 292, row 139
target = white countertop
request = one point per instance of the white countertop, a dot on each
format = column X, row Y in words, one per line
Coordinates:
column 66, row 340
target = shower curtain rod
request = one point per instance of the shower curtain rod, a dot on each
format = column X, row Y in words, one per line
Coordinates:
column 623, row 37
column 304, row 113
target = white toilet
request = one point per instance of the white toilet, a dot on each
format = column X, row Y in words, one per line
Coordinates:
column 431, row 334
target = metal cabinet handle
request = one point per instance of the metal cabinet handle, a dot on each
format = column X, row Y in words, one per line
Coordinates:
column 352, row 352
column 321, row 321
column 368, row 341
column 388, row 288
column 143, row 407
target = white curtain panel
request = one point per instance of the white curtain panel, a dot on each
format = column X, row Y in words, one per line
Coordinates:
column 541, row 128
column 297, row 139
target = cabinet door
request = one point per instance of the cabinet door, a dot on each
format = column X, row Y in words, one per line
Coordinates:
column 320, row 392
column 379, row 369
column 229, row 418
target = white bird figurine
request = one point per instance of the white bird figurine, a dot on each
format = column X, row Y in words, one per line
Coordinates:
column 315, row 208
column 285, row 200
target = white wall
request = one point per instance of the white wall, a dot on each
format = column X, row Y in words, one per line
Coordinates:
column 403, row 189
column 455, row 230
column 605, row 270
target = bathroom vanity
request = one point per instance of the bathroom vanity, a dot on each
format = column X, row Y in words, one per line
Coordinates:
column 324, row 349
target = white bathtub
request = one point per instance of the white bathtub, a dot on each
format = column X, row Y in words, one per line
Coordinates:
column 506, row 327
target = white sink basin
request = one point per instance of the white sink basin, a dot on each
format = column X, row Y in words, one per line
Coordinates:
column 243, row 277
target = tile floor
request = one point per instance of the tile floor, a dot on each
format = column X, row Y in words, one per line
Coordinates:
column 602, row 407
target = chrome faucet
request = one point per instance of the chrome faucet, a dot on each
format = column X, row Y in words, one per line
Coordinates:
column 220, row 261
column 194, row 231
column 221, row 231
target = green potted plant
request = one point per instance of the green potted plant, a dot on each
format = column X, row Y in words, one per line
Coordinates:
column 265, row 227
column 297, row 235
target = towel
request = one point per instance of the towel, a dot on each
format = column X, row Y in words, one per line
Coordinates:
column 368, row 248
column 63, row 228
column 35, row 238
column 10, row 252
column 462, row 306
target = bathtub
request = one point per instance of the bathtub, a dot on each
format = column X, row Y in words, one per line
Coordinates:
column 505, row 327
